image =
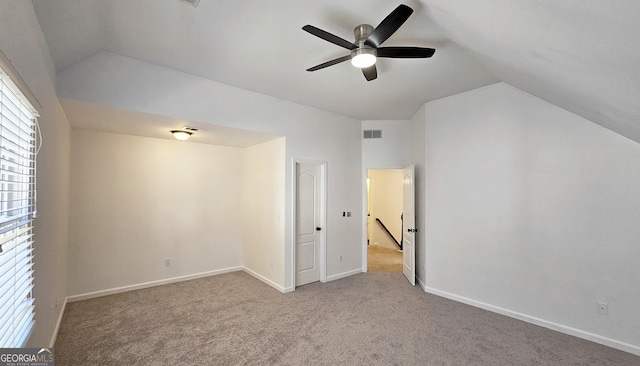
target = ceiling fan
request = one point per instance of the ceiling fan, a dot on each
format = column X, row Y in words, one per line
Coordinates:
column 366, row 48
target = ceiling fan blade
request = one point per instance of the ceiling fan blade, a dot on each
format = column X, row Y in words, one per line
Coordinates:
column 405, row 52
column 370, row 73
column 329, row 37
column 330, row 63
column 389, row 25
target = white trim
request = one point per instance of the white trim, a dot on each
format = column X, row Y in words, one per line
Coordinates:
column 365, row 213
column 365, row 217
column 343, row 275
column 323, row 215
column 421, row 284
column 264, row 279
column 52, row 343
column 91, row 295
column 10, row 70
column 541, row 322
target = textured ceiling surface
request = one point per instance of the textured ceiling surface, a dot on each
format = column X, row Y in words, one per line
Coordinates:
column 97, row 117
column 260, row 46
column 580, row 55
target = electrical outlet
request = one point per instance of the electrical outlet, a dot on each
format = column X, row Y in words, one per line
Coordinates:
column 603, row 308
column 167, row 262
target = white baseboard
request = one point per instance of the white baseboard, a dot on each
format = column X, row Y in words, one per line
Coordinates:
column 331, row 278
column 289, row 289
column 52, row 343
column 343, row 275
column 264, row 279
column 541, row 322
column 421, row 284
column 91, row 295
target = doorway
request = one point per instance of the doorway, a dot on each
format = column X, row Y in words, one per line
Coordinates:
column 309, row 225
column 384, row 220
column 391, row 193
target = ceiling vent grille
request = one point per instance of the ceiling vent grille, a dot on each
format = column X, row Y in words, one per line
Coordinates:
column 192, row 129
column 193, row 3
column 372, row 134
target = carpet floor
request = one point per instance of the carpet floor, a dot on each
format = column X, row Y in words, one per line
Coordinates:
column 366, row 319
column 382, row 259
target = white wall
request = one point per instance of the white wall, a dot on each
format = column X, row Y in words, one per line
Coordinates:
column 418, row 158
column 130, row 84
column 21, row 39
column 385, row 203
column 392, row 151
column 533, row 211
column 263, row 211
column 137, row 201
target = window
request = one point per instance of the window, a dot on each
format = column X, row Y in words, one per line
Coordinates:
column 18, row 137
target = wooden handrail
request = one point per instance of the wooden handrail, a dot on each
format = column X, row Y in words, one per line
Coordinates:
column 388, row 232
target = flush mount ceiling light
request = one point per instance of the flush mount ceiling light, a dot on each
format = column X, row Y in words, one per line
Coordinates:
column 181, row 135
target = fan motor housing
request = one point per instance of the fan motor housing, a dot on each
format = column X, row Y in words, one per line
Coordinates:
column 361, row 33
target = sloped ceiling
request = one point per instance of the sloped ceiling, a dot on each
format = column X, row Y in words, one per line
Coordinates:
column 582, row 55
column 579, row 55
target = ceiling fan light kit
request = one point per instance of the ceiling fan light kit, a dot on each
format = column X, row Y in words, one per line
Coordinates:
column 362, row 58
column 366, row 48
column 363, row 55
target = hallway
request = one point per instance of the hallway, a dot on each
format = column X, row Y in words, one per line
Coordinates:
column 383, row 259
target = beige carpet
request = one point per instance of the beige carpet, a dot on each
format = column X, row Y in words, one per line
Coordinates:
column 366, row 319
column 382, row 259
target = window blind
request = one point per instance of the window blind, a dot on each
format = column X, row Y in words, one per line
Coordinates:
column 18, row 136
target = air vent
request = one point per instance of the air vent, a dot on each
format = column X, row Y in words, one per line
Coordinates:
column 372, row 134
column 192, row 129
column 193, row 3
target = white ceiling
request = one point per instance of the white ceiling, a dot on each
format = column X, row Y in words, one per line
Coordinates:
column 91, row 116
column 580, row 55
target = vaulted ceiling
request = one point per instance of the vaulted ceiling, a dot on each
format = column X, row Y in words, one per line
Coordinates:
column 580, row 55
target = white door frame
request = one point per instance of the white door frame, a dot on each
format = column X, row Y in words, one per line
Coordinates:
column 365, row 208
column 409, row 232
column 323, row 217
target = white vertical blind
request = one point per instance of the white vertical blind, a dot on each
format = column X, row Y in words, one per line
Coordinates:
column 17, row 210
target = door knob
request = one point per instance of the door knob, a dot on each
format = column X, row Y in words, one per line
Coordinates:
column 318, row 228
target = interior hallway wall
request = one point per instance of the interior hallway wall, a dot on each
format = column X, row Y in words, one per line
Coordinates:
column 22, row 41
column 533, row 211
column 262, row 226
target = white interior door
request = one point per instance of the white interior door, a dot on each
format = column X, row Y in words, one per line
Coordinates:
column 308, row 223
column 409, row 223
